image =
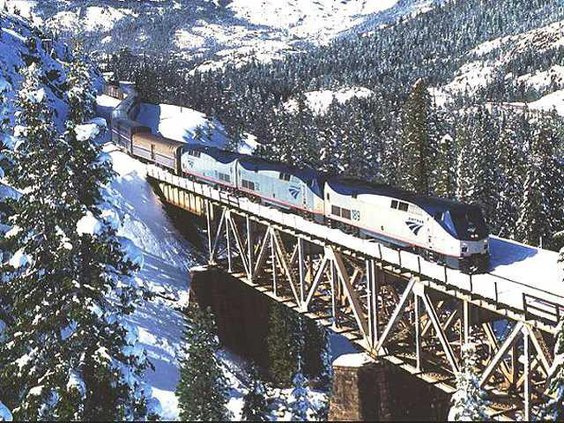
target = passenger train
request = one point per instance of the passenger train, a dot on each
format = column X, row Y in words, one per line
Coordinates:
column 444, row 231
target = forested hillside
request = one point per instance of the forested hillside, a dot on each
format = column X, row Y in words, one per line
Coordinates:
column 447, row 112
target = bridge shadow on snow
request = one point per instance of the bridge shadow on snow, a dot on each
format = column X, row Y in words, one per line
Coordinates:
column 505, row 252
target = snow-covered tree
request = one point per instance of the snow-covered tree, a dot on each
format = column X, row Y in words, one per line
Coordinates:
column 300, row 404
column 468, row 403
column 476, row 167
column 69, row 353
column 202, row 389
column 445, row 183
column 255, row 407
column 553, row 409
column 510, row 158
column 81, row 95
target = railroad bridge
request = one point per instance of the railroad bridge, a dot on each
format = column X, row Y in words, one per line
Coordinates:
column 396, row 306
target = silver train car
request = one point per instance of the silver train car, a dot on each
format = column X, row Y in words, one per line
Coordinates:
column 123, row 130
column 268, row 182
column 210, row 164
column 284, row 186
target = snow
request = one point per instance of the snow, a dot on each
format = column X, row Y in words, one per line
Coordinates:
column 36, row 391
column 93, row 18
column 493, row 56
column 132, row 253
column 319, row 20
column 552, row 101
column 76, row 382
column 14, row 230
column 87, row 131
column 89, row 225
column 167, row 258
column 19, row 259
column 5, row 414
column 542, row 79
column 352, row 360
column 36, row 97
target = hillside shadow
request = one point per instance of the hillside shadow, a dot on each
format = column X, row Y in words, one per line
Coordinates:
column 150, row 115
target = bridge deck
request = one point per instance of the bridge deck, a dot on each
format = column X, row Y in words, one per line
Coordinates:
column 524, row 279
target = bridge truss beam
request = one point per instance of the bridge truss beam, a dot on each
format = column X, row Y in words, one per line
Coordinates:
column 391, row 315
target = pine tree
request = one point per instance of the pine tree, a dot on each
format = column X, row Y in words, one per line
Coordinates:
column 553, row 409
column 322, row 411
column 202, row 389
column 541, row 208
column 444, row 185
column 468, row 402
column 255, row 407
column 418, row 149
column 70, row 355
column 477, row 173
column 282, row 350
column 81, row 95
column 511, row 164
column 313, row 354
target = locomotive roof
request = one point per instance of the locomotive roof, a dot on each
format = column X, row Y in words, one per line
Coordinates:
column 432, row 205
column 222, row 156
column 306, row 174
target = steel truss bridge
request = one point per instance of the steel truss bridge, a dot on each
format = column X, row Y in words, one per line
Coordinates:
column 395, row 305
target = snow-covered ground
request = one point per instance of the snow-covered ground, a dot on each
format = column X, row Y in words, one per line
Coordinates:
column 319, row 101
column 320, row 20
column 552, row 101
column 493, row 58
column 165, row 273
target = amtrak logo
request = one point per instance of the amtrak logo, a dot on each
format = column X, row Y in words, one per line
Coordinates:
column 414, row 226
column 294, row 192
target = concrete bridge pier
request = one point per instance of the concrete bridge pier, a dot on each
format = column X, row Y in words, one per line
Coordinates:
column 360, row 389
column 374, row 390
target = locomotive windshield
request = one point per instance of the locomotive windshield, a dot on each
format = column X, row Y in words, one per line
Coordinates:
column 466, row 224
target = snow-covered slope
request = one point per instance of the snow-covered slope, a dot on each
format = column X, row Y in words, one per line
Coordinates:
column 496, row 60
column 188, row 125
column 225, row 31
